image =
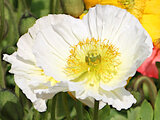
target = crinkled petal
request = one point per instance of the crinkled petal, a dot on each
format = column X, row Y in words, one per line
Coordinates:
column 32, row 82
column 40, row 105
column 119, row 98
column 90, row 102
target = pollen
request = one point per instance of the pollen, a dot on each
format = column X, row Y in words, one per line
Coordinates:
column 94, row 61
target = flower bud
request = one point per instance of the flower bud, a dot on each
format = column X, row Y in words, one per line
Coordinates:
column 25, row 23
column 73, row 7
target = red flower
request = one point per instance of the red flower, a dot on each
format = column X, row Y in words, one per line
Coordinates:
column 149, row 67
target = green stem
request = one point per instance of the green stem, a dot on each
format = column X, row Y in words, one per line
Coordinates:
column 2, row 81
column 51, row 7
column 36, row 115
column 96, row 108
column 53, row 108
column 17, row 90
column 65, row 104
column 25, row 6
column 150, row 84
column 1, row 19
column 79, row 110
column 20, row 9
column 13, row 18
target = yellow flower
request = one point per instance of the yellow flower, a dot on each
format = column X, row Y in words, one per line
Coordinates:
column 90, row 3
column 147, row 11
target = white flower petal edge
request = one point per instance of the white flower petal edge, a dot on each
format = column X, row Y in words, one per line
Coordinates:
column 119, row 98
column 89, row 101
column 30, row 78
column 72, row 49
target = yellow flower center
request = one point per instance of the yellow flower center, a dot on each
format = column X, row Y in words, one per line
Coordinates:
column 93, row 61
column 93, row 58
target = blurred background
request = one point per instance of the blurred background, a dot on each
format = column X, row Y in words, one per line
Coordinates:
column 16, row 16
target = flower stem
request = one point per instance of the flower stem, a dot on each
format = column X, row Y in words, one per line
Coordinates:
column 96, row 107
column 65, row 104
column 2, row 80
column 79, row 110
column 53, row 5
column 151, row 86
column 13, row 17
column 1, row 19
column 17, row 90
column 53, row 108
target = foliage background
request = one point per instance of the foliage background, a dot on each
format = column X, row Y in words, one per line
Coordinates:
column 16, row 16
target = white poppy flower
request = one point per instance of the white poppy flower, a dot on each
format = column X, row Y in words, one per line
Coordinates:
column 96, row 55
column 29, row 77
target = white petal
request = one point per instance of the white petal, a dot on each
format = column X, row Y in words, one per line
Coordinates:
column 45, row 22
column 52, row 64
column 89, row 101
column 40, row 105
column 32, row 82
column 49, row 93
column 119, row 98
column 123, row 30
column 104, row 21
column 25, row 44
column 56, row 42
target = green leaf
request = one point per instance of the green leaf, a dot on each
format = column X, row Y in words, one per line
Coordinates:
column 133, row 113
column 10, row 108
column 146, row 111
column 115, row 115
column 157, row 107
column 104, row 113
column 10, row 80
column 40, row 7
column 118, row 117
column 137, row 96
column 6, row 96
column 86, row 115
column 60, row 113
column 29, row 114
